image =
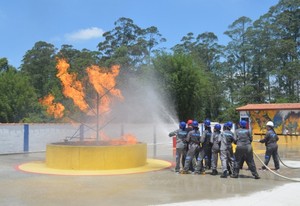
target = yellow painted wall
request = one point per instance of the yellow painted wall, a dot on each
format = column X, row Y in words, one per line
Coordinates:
column 96, row 157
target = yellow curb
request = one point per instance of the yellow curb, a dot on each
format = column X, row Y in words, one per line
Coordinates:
column 39, row 167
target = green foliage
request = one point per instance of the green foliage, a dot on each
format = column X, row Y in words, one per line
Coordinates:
column 128, row 44
column 39, row 66
column 18, row 99
column 184, row 82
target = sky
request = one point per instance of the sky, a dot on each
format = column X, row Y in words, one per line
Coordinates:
column 81, row 23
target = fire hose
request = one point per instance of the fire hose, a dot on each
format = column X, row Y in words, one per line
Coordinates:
column 287, row 165
column 275, row 173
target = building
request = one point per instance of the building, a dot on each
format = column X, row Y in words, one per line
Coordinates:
column 285, row 116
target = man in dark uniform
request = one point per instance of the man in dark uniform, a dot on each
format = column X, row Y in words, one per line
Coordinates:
column 244, row 150
column 193, row 138
column 180, row 145
column 206, row 144
column 270, row 141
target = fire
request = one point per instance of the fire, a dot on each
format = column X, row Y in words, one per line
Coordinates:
column 125, row 139
column 104, row 83
column 55, row 109
column 72, row 88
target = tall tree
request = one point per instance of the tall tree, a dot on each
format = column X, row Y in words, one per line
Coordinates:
column 239, row 56
column 285, row 21
column 18, row 99
column 3, row 64
column 128, row 44
column 39, row 65
column 183, row 81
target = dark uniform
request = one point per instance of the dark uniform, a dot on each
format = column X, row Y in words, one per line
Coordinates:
column 207, row 147
column 193, row 139
column 181, row 146
column 215, row 140
column 244, row 150
column 226, row 153
column 270, row 141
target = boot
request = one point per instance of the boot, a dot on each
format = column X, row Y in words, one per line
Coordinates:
column 224, row 175
column 256, row 177
column 214, row 172
column 234, row 176
column 184, row 172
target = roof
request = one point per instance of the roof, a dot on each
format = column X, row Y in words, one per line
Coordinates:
column 283, row 106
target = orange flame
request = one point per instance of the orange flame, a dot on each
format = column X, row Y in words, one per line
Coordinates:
column 72, row 88
column 104, row 83
column 55, row 109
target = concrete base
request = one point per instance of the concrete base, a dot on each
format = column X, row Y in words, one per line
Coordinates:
column 78, row 157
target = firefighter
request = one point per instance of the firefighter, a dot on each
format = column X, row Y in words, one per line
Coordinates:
column 193, row 139
column 227, row 157
column 180, row 145
column 207, row 144
column 270, row 141
column 215, row 140
column 243, row 139
column 188, row 129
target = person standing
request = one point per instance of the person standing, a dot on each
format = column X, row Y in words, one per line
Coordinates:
column 193, row 138
column 270, row 141
column 180, row 145
column 227, row 157
column 207, row 144
column 215, row 151
column 244, row 150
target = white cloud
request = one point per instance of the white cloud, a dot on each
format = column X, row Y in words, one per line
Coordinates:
column 85, row 34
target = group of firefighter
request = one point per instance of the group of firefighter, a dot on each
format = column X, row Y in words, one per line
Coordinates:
column 197, row 153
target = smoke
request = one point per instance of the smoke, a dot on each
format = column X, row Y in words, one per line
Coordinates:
column 144, row 103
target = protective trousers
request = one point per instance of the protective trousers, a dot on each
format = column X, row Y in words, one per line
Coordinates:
column 245, row 152
column 272, row 151
column 207, row 157
column 214, row 158
column 223, row 157
column 199, row 165
column 180, row 157
column 190, row 155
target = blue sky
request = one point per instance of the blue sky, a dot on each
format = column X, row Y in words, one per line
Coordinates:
column 81, row 23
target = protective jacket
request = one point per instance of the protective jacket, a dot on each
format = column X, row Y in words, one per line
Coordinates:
column 243, row 137
column 270, row 139
column 180, row 138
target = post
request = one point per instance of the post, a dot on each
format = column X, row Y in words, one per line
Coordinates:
column 97, row 117
column 122, row 130
column 81, row 132
column 154, row 141
column 26, row 138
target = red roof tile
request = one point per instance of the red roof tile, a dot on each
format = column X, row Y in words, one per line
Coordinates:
column 283, row 106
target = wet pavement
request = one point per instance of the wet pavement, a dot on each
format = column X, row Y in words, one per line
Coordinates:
column 151, row 188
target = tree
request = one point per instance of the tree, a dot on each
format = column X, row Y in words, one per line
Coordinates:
column 3, row 65
column 39, row 65
column 18, row 100
column 285, row 20
column 184, row 82
column 128, row 44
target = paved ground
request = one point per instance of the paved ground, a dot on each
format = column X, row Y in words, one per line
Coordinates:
column 152, row 188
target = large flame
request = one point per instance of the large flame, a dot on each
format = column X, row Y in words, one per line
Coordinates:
column 104, row 83
column 55, row 109
column 72, row 88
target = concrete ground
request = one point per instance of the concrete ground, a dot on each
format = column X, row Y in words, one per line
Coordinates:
column 151, row 188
